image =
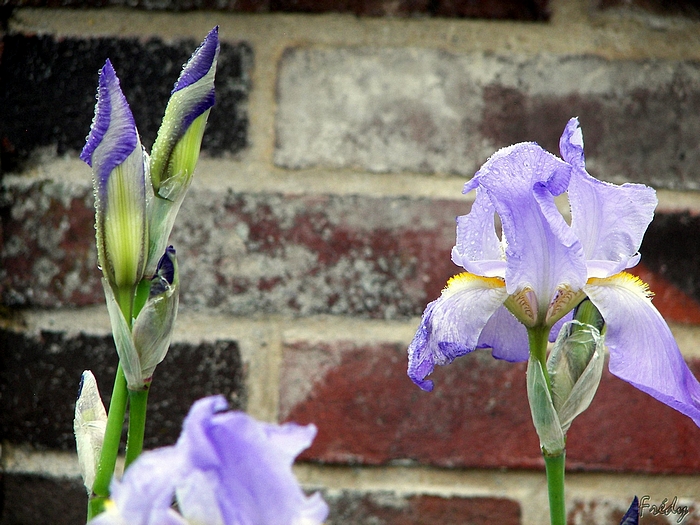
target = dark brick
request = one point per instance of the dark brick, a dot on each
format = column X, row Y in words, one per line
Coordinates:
column 386, row 508
column 39, row 379
column 531, row 10
column 28, row 499
column 477, row 416
column 48, row 86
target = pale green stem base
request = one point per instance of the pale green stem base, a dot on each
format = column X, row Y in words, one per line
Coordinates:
column 138, row 400
column 555, row 467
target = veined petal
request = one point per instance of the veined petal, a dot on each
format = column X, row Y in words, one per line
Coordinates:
column 609, row 220
column 541, row 253
column 642, row 349
column 478, row 249
column 251, row 463
column 451, row 325
column 506, row 336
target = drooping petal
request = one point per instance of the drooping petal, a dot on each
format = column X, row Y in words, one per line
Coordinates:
column 478, row 248
column 609, row 220
column 451, row 325
column 542, row 253
column 506, row 336
column 642, row 349
column 251, row 463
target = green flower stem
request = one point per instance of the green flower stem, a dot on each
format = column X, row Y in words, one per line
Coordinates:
column 138, row 400
column 554, row 464
column 110, row 446
column 555, row 467
column 538, row 337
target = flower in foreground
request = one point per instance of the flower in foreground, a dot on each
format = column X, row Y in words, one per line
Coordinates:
column 518, row 286
column 226, row 468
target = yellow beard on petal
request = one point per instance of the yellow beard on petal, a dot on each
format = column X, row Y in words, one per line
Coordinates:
column 468, row 280
column 625, row 280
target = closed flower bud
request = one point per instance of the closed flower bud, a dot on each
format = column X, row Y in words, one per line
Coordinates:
column 176, row 149
column 114, row 152
column 89, row 427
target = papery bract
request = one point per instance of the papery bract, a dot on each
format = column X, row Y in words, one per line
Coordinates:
column 541, row 268
column 89, row 426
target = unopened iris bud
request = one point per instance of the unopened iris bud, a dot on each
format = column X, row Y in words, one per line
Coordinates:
column 114, row 152
column 141, row 349
column 574, row 368
column 89, row 426
column 154, row 326
column 176, row 149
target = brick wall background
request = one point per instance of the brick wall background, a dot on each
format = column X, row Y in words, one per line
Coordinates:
column 319, row 225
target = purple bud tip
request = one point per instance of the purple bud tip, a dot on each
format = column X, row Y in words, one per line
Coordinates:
column 112, row 112
column 165, row 272
column 200, row 62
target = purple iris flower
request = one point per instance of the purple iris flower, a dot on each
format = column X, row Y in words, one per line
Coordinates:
column 541, row 267
column 226, row 468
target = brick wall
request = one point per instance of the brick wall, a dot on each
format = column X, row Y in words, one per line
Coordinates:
column 319, row 225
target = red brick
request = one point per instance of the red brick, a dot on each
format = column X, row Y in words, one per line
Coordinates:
column 369, row 412
column 351, row 508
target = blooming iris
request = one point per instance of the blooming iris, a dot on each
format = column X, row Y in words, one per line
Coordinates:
column 541, row 267
column 226, row 468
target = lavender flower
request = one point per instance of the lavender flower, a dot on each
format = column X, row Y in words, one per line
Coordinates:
column 542, row 267
column 226, row 468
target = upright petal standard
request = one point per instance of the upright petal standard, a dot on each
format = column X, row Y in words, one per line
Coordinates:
column 523, row 278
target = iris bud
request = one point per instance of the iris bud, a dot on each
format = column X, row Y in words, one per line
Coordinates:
column 113, row 150
column 89, row 427
column 176, row 149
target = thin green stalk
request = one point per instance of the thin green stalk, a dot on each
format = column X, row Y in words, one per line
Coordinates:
column 555, row 467
column 110, row 446
column 538, row 339
column 138, row 400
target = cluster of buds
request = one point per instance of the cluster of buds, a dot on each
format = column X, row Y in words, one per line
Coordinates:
column 137, row 197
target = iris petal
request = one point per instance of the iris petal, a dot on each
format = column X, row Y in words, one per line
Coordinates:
column 452, row 324
column 542, row 252
column 506, row 336
column 642, row 349
column 478, row 248
column 609, row 220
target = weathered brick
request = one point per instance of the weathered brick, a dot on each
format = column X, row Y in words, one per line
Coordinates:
column 604, row 512
column 245, row 253
column 48, row 86
column 393, row 110
column 686, row 8
column 386, row 508
column 29, row 499
column 368, row 412
column 39, row 377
